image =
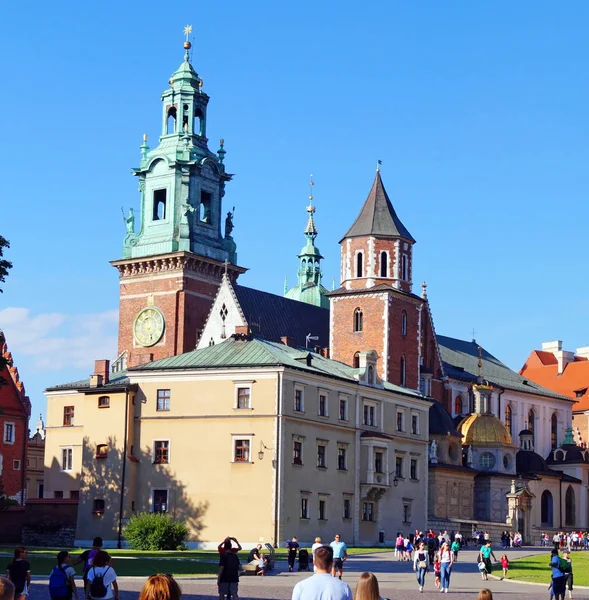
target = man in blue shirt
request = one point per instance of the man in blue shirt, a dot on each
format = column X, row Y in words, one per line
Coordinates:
column 340, row 554
column 558, row 576
column 322, row 586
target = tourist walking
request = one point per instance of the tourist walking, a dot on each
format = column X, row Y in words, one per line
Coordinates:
column 314, row 547
column 446, row 562
column 102, row 579
column 62, row 585
column 399, row 547
column 420, row 565
column 569, row 576
column 321, row 585
column 340, row 555
column 87, row 557
column 160, row 587
column 485, row 554
column 19, row 572
column 367, row 588
column 558, row 576
column 228, row 575
column 504, row 565
column 292, row 546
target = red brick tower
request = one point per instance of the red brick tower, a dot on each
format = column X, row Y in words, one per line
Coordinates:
column 374, row 309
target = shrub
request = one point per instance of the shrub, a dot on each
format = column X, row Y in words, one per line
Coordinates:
column 155, row 531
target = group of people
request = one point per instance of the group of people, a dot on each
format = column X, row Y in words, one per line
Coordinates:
column 510, row 539
column 572, row 540
column 562, row 575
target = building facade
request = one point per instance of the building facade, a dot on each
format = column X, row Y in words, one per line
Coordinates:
column 36, row 462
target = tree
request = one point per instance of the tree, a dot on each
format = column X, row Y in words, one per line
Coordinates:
column 5, row 265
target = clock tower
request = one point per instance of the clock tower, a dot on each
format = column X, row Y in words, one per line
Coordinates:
column 176, row 254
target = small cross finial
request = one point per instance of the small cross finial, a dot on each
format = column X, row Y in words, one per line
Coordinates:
column 473, row 335
column 378, row 165
column 226, row 266
column 424, row 289
column 311, row 208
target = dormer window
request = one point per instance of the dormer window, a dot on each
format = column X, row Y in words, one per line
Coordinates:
column 359, row 265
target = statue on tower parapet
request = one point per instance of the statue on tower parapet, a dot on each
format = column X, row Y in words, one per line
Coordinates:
column 229, row 224
column 129, row 221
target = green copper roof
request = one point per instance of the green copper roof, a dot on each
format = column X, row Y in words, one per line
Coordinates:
column 256, row 352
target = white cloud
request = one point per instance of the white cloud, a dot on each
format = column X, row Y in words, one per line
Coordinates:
column 54, row 341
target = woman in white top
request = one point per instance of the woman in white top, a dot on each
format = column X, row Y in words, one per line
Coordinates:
column 420, row 565
column 314, row 547
column 101, row 568
column 446, row 562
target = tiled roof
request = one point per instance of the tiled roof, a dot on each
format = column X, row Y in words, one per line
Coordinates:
column 460, row 361
column 236, row 352
column 271, row 317
column 116, row 380
column 575, row 376
column 378, row 217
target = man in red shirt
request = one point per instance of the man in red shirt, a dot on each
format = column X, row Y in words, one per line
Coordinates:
column 221, row 546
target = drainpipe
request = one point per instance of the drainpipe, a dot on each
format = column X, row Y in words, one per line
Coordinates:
column 120, row 530
column 278, row 465
column 499, row 405
column 23, row 464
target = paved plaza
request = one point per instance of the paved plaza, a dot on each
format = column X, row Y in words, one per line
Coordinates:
column 397, row 581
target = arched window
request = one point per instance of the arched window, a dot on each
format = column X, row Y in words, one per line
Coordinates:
column 356, row 362
column 358, row 318
column 370, row 374
column 546, row 509
column 508, row 419
column 404, row 323
column 171, row 122
column 359, row 265
column 402, row 374
column 458, row 405
column 553, row 430
column 569, row 502
column 384, row 258
column 197, row 123
column 532, row 425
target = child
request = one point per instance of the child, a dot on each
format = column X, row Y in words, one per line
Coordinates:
column 455, row 548
column 483, row 569
column 551, row 591
column 262, row 565
column 437, row 571
column 505, row 565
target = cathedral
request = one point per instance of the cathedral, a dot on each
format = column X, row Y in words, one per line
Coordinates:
column 370, row 422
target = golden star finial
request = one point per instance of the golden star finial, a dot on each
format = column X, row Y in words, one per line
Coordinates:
column 187, row 31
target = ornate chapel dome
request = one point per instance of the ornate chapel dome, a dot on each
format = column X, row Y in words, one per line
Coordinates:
column 484, row 430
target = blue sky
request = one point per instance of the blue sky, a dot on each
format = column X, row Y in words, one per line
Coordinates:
column 478, row 111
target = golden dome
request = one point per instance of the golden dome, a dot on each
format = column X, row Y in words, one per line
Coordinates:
column 484, row 430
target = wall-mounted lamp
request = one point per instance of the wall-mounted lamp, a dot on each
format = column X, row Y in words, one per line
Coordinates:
column 262, row 448
column 395, row 480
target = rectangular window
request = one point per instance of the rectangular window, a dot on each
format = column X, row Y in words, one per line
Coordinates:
column 322, row 516
column 304, row 508
column 413, row 469
column 415, row 424
column 406, row 513
column 98, row 506
column 163, row 400
column 57, row 494
column 67, row 459
column 68, row 416
column 322, row 405
column 298, row 401
column 160, row 501
column 341, row 459
column 241, row 450
column 205, row 207
column 367, row 511
column 16, row 465
column 347, row 509
column 9, row 436
column 104, row 402
column 75, row 494
column 297, row 453
column 399, row 466
column 243, row 397
column 101, row 450
column 369, row 415
column 399, row 421
column 321, row 460
column 161, row 452
column 159, row 205
column 379, row 462
column 343, row 409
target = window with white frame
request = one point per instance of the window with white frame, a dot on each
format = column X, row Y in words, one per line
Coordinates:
column 399, row 466
column 9, row 433
column 342, row 457
column 67, row 459
column 243, row 397
column 368, row 511
column 343, row 408
column 425, row 385
column 299, row 400
column 242, row 449
column 304, row 507
column 378, row 460
column 161, row 452
column 400, row 421
column 104, row 402
column 322, row 454
column 323, row 404
column 370, row 414
column 415, row 423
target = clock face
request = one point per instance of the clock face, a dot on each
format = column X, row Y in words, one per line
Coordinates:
column 149, row 326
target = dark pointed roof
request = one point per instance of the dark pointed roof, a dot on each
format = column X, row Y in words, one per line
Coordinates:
column 378, row 217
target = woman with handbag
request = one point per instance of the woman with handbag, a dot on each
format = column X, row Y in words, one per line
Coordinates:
column 446, row 560
column 420, row 565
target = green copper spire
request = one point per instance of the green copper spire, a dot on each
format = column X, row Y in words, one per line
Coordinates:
column 568, row 437
column 309, row 288
column 181, row 181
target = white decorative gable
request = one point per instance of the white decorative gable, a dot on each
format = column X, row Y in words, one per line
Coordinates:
column 224, row 317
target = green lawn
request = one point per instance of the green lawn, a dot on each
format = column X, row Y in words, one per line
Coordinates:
column 536, row 569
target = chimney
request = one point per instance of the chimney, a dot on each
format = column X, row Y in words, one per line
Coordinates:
column 552, row 347
column 242, row 330
column 564, row 357
column 287, row 341
column 583, row 352
column 100, row 375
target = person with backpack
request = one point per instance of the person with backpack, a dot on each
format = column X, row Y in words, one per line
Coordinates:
column 61, row 580
column 559, row 572
column 87, row 557
column 102, row 579
column 228, row 576
column 19, row 572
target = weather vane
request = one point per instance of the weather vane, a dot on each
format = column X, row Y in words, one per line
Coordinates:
column 311, row 208
column 187, row 31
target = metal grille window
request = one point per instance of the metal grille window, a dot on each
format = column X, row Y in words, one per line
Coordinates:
column 161, row 452
column 163, row 399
